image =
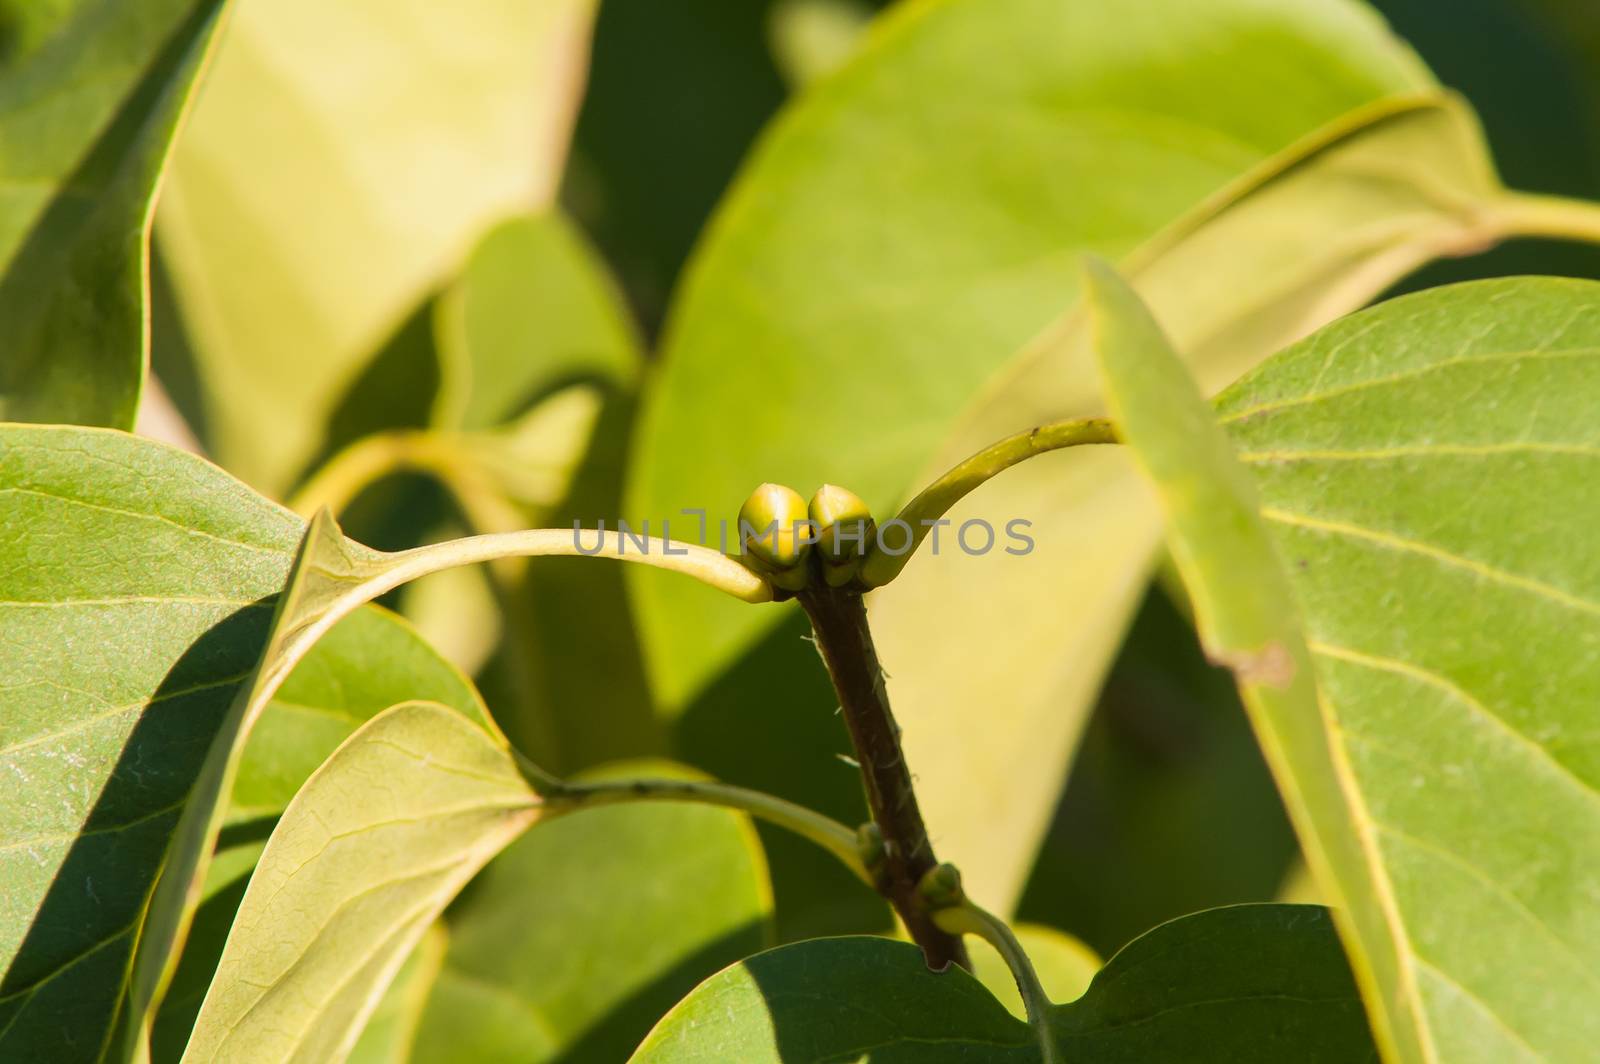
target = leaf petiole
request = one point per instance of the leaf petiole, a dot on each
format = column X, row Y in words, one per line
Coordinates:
column 560, row 796
column 965, row 918
column 937, row 498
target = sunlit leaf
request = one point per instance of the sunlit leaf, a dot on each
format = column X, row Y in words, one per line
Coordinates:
column 1425, row 756
column 915, row 220
column 90, row 97
column 1252, row 983
column 366, row 856
column 390, row 1031
column 341, row 164
column 1427, row 470
column 533, row 309
column 576, row 939
column 141, row 600
column 1312, row 237
column 366, row 663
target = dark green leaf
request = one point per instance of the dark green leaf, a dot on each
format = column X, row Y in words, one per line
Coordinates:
column 90, row 96
column 1252, row 984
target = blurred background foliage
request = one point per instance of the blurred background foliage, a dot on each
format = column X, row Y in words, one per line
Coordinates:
column 518, row 324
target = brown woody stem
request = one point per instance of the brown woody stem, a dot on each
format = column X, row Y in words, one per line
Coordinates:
column 839, row 619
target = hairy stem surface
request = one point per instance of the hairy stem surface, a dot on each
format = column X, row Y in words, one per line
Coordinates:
column 839, row 619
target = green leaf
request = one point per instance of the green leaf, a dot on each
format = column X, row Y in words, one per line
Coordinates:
column 1427, row 471
column 366, row 663
column 167, row 568
column 1424, row 468
column 1247, row 620
column 366, row 856
column 819, row 335
column 1252, row 983
column 333, row 576
column 341, row 165
column 858, row 999
column 388, row 1035
column 1145, row 135
column 534, row 309
column 91, row 95
column 577, row 938
column 226, row 879
column 1317, row 233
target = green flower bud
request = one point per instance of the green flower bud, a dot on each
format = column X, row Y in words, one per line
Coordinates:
column 940, row 888
column 776, row 534
column 845, row 531
column 869, row 844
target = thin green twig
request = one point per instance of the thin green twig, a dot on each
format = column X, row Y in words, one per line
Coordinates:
column 824, row 831
column 934, row 501
column 965, row 918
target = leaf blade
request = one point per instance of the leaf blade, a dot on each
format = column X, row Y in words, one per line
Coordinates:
column 1432, row 455
column 576, row 939
column 374, row 846
column 168, row 569
column 301, row 221
column 90, row 99
column 1245, row 983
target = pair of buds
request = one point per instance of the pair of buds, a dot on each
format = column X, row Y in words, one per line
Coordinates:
column 778, row 529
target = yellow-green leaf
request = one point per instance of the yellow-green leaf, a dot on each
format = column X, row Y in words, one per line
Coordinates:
column 342, row 162
column 370, row 851
column 1424, row 468
column 1427, row 471
column 1314, row 233
column 856, row 313
column 1247, row 619
column 140, row 602
column 575, row 940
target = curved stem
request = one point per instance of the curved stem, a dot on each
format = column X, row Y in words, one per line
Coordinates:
column 709, row 566
column 356, row 467
column 382, row 454
column 1528, row 214
column 934, row 501
column 966, row 918
column 824, row 831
